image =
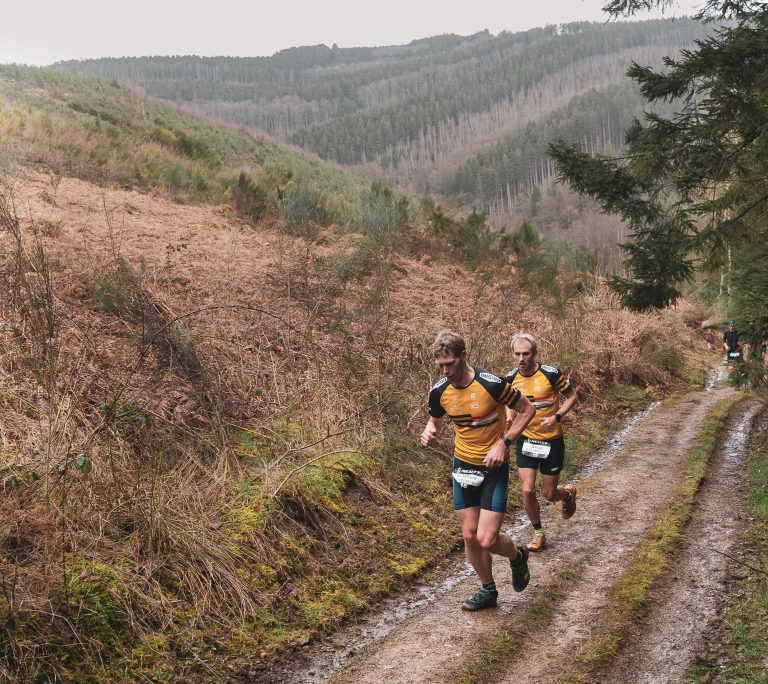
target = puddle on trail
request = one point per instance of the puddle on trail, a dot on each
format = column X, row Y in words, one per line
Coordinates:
column 735, row 445
column 323, row 659
column 717, row 376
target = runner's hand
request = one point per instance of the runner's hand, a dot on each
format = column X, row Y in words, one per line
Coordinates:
column 429, row 435
column 496, row 456
column 548, row 423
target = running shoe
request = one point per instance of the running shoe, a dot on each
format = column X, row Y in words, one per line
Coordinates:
column 520, row 574
column 569, row 504
column 538, row 542
column 485, row 598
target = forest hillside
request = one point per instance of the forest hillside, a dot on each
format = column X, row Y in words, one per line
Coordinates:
column 462, row 116
column 214, row 366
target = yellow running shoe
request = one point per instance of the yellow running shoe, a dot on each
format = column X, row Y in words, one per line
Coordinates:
column 569, row 504
column 538, row 542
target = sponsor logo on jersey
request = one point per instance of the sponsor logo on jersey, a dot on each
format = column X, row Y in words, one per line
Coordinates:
column 490, row 377
column 549, row 369
column 440, row 383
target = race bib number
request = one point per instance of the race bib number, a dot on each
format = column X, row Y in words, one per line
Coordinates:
column 468, row 478
column 536, row 449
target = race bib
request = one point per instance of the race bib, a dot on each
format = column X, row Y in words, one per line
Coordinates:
column 468, row 478
column 536, row 449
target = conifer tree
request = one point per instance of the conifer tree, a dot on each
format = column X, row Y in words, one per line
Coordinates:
column 694, row 184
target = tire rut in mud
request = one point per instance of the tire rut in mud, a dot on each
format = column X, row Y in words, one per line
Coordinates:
column 688, row 604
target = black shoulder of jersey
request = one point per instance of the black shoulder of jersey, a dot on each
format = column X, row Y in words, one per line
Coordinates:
column 550, row 373
column 435, row 409
column 511, row 375
column 492, row 383
column 440, row 385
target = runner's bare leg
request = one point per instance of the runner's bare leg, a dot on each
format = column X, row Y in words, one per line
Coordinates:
column 530, row 500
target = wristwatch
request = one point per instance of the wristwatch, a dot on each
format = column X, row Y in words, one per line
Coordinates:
column 558, row 417
column 507, row 441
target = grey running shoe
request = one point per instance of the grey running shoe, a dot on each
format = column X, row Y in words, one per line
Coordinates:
column 485, row 598
column 520, row 574
column 538, row 542
column 569, row 504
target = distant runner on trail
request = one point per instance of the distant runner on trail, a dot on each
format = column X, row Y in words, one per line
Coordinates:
column 474, row 400
column 541, row 445
column 731, row 341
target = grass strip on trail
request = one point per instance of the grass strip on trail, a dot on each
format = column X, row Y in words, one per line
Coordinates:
column 498, row 650
column 744, row 656
column 630, row 593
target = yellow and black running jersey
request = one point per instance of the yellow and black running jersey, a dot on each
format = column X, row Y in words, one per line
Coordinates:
column 543, row 390
column 476, row 411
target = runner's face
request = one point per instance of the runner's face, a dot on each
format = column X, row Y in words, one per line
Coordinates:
column 452, row 367
column 523, row 354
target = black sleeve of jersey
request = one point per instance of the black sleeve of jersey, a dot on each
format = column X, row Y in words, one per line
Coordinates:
column 500, row 389
column 556, row 378
column 436, row 409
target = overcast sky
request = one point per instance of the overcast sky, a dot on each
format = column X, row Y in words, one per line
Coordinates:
column 44, row 31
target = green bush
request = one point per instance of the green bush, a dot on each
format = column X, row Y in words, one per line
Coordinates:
column 305, row 210
column 381, row 215
column 250, row 199
column 667, row 357
column 661, row 354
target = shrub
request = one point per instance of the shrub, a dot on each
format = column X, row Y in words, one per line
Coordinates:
column 304, row 210
column 119, row 291
column 250, row 199
column 381, row 215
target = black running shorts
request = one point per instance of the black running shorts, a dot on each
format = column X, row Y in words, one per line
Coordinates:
column 547, row 455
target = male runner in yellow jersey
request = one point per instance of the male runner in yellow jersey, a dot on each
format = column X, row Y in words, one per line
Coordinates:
column 474, row 400
column 541, row 445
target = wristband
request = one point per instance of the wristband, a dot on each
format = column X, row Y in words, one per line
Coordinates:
column 558, row 417
column 507, row 441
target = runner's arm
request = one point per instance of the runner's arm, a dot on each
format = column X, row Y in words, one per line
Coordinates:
column 570, row 399
column 511, row 413
column 523, row 413
column 431, row 431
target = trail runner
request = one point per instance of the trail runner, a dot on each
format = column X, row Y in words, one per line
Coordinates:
column 474, row 400
column 731, row 343
column 541, row 446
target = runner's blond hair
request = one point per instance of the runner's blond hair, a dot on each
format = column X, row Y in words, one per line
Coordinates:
column 528, row 338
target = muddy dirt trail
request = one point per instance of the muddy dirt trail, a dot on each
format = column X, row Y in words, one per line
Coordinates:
column 617, row 504
column 689, row 605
